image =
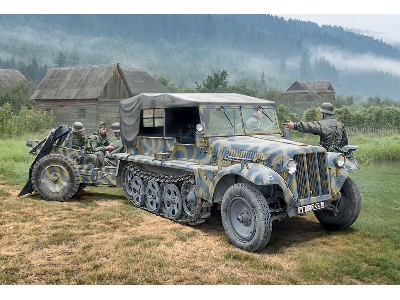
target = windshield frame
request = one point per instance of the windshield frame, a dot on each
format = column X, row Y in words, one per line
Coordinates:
column 230, row 120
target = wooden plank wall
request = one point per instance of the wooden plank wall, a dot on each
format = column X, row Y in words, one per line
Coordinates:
column 66, row 111
column 108, row 110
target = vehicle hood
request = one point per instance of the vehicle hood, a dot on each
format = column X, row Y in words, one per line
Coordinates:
column 260, row 147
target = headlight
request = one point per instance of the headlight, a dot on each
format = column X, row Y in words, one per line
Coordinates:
column 339, row 160
column 199, row 128
column 290, row 167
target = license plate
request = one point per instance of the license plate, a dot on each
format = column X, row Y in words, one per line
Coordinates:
column 310, row 207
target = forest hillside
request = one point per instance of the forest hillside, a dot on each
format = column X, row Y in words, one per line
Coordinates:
column 186, row 48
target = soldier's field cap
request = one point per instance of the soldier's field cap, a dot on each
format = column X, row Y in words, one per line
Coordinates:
column 102, row 125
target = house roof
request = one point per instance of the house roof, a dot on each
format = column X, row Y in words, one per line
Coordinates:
column 74, row 83
column 9, row 78
column 139, row 81
column 314, row 88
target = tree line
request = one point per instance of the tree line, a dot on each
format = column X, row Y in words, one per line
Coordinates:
column 18, row 115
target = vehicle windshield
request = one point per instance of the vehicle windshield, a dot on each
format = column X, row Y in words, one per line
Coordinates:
column 225, row 120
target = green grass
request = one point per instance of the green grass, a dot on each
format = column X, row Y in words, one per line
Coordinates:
column 15, row 160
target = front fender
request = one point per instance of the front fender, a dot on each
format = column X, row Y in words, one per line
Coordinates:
column 339, row 175
column 253, row 172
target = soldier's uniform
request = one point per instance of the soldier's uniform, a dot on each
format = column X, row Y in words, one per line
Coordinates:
column 254, row 124
column 118, row 146
column 332, row 133
column 97, row 144
column 78, row 141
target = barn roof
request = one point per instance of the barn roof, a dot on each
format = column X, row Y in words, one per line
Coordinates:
column 88, row 82
column 139, row 81
column 74, row 83
column 9, row 78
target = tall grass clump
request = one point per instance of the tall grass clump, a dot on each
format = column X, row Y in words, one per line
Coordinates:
column 15, row 159
column 378, row 148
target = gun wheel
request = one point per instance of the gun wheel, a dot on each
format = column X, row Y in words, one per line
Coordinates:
column 55, row 178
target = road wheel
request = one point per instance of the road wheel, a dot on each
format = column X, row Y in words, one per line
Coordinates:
column 55, row 178
column 172, row 201
column 348, row 206
column 246, row 217
column 153, row 196
column 133, row 187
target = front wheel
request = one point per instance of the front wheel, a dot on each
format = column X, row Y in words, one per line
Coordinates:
column 347, row 208
column 246, row 217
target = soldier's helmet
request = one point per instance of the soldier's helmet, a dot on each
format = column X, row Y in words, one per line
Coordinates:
column 77, row 126
column 327, row 108
column 115, row 127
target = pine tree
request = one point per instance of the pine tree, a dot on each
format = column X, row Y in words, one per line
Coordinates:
column 262, row 82
column 61, row 60
column 305, row 66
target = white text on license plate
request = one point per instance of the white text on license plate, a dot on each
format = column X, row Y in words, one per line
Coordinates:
column 310, row 207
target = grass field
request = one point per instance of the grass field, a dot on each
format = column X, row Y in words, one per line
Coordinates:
column 98, row 238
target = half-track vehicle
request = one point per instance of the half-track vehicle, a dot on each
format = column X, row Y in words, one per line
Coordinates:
column 187, row 153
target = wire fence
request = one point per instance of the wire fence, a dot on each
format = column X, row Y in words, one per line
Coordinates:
column 379, row 131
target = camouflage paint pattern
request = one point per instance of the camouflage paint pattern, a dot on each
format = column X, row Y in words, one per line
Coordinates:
column 271, row 153
column 259, row 159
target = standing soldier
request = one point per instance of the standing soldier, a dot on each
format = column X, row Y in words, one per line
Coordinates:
column 332, row 132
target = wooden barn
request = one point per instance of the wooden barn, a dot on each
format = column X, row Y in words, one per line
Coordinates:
column 9, row 78
column 91, row 94
column 310, row 91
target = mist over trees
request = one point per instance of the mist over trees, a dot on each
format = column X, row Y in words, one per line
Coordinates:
column 261, row 50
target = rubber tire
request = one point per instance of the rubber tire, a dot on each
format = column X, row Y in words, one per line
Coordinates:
column 55, row 178
column 349, row 208
column 240, row 197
